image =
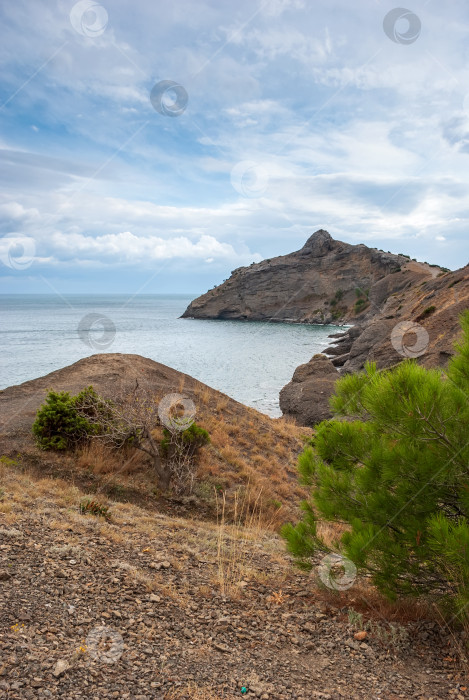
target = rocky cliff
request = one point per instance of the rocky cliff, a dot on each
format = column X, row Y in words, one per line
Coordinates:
column 419, row 322
column 327, row 281
column 398, row 308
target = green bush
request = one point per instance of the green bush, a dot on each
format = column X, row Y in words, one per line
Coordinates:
column 189, row 440
column 426, row 313
column 338, row 296
column 64, row 421
column 90, row 507
column 395, row 471
column 361, row 305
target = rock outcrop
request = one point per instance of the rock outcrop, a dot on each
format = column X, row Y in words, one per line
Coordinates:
column 421, row 322
column 327, row 281
column 306, row 397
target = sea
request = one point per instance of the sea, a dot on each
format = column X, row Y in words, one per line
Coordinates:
column 249, row 361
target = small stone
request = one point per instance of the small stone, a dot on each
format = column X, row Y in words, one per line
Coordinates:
column 353, row 645
column 360, row 636
column 5, row 576
column 153, row 598
column 24, row 616
column 60, row 667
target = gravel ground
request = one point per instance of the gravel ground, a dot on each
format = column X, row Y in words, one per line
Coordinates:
column 134, row 609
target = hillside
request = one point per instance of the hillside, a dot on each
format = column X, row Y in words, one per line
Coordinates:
column 185, row 598
column 321, row 283
column 249, row 453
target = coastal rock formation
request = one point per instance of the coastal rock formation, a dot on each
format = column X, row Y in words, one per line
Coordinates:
column 327, row 281
column 331, row 282
column 306, row 397
column 420, row 322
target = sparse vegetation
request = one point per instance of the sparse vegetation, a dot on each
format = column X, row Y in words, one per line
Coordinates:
column 362, row 301
column 426, row 313
column 65, row 421
column 179, row 449
column 338, row 296
column 89, row 507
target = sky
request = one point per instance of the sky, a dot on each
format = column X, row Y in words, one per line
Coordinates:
column 153, row 147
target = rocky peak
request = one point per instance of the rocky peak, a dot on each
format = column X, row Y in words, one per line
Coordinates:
column 320, row 243
column 326, row 281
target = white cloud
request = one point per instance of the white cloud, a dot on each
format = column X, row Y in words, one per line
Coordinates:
column 127, row 247
column 357, row 134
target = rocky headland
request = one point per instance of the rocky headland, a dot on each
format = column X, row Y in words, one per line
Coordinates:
column 321, row 283
column 397, row 308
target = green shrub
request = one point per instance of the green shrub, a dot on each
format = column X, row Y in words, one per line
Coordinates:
column 189, row 440
column 395, row 471
column 90, row 507
column 337, row 297
column 426, row 313
column 360, row 305
column 59, row 425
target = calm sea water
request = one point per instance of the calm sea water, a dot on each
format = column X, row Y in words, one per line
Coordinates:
column 248, row 361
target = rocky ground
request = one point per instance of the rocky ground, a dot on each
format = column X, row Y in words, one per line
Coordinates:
column 149, row 606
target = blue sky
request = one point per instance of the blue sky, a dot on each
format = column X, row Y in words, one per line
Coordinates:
column 291, row 115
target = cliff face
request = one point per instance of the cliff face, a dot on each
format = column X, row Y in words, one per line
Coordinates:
column 420, row 322
column 327, row 281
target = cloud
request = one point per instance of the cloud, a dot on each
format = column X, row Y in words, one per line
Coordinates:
column 126, row 247
column 357, row 134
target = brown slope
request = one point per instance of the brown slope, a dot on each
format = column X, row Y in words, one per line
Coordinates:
column 317, row 284
column 248, row 449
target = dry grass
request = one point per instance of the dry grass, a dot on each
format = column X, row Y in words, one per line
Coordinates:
column 363, row 598
column 331, row 532
column 236, row 531
column 99, row 459
column 246, row 447
column 204, row 394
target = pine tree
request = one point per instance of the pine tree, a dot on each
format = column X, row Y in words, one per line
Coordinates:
column 393, row 465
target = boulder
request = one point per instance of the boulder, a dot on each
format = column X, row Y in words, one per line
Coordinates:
column 306, row 396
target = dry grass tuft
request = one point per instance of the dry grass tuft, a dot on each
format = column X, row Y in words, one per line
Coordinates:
column 238, row 526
